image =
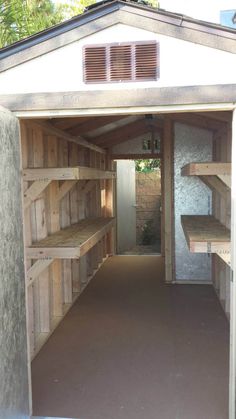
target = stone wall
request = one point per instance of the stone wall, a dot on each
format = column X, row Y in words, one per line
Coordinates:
column 148, row 199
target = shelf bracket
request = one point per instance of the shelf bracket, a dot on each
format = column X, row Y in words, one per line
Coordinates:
column 36, row 269
column 213, row 182
column 88, row 186
column 65, row 188
column 37, row 187
column 226, row 257
column 226, row 179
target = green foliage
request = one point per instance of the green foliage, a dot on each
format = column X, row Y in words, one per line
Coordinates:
column 148, row 233
column 73, row 7
column 147, row 165
column 22, row 18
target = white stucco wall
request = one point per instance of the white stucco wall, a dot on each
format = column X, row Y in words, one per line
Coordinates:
column 182, row 64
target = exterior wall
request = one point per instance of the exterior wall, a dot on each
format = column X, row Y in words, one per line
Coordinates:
column 148, row 200
column 182, row 64
column 192, row 197
column 14, row 386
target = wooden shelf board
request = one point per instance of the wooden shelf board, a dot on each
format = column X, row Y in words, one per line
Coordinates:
column 66, row 173
column 205, row 234
column 207, row 169
column 72, row 242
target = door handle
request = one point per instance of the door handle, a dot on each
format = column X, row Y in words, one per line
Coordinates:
column 135, row 205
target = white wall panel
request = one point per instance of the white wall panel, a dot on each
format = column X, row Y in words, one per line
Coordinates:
column 182, row 64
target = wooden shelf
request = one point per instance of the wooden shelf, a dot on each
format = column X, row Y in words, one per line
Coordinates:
column 207, row 169
column 72, row 242
column 66, row 173
column 205, row 234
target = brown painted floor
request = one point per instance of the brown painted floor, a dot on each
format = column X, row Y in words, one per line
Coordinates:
column 134, row 348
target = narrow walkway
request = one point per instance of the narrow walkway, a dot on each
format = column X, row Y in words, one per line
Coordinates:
column 134, row 348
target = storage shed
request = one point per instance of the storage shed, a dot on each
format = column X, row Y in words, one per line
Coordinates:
column 76, row 98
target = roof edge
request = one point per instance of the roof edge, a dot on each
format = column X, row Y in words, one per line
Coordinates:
column 16, row 53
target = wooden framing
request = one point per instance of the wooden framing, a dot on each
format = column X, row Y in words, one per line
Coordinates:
column 127, row 132
column 142, row 156
column 170, row 99
column 197, row 120
column 50, row 129
column 68, row 190
column 63, row 182
column 216, row 175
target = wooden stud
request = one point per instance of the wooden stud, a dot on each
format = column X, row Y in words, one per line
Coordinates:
column 54, row 226
column 64, row 198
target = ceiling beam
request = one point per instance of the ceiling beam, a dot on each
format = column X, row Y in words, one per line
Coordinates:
column 129, row 136
column 135, row 156
column 128, row 131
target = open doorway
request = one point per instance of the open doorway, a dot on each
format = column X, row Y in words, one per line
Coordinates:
column 139, row 206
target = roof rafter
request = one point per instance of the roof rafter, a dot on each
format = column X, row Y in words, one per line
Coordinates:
column 49, row 128
column 198, row 121
column 128, row 132
column 94, row 123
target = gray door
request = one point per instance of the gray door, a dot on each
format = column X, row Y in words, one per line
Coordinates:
column 14, row 385
column 126, row 206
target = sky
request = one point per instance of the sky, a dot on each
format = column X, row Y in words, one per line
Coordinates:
column 208, row 10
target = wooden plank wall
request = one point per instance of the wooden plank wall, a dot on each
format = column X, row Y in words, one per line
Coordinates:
column 222, row 211
column 56, row 288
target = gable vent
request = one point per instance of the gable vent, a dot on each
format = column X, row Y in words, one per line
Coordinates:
column 121, row 62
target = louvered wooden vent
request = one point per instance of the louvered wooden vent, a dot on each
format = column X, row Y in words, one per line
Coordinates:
column 121, row 62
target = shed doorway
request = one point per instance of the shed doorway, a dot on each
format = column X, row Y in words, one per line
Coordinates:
column 139, row 207
column 155, row 324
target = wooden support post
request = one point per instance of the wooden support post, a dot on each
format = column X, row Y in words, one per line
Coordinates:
column 53, row 226
column 109, row 197
column 74, row 216
column 232, row 376
column 27, row 239
column 64, row 198
column 168, row 198
column 39, row 231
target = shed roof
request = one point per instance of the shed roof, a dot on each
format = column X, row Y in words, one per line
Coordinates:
column 109, row 12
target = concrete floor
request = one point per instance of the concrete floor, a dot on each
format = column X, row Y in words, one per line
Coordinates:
column 134, row 348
